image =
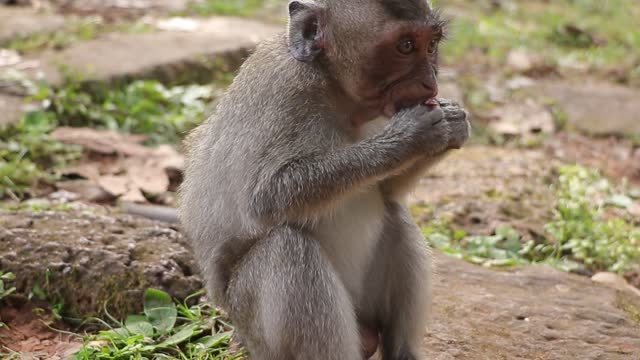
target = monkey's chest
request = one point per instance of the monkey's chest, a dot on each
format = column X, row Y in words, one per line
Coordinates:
column 350, row 234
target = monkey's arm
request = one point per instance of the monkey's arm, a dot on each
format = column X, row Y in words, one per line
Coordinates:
column 306, row 184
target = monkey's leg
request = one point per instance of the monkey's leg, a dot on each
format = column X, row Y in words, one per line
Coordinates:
column 400, row 286
column 288, row 304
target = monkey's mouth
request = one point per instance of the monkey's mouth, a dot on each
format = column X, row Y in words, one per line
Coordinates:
column 393, row 108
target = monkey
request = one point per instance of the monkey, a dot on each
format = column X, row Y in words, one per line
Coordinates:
column 294, row 192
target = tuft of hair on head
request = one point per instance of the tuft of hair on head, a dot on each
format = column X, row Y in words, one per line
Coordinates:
column 407, row 9
column 436, row 20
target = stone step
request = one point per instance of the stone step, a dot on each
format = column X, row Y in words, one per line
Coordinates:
column 17, row 22
column 596, row 107
column 143, row 6
column 164, row 55
column 199, row 55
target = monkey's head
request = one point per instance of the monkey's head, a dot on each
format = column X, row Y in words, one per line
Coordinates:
column 383, row 53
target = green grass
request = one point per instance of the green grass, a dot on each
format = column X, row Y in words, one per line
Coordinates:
column 142, row 107
column 166, row 330
column 601, row 34
column 29, row 155
column 581, row 228
column 5, row 291
column 583, row 234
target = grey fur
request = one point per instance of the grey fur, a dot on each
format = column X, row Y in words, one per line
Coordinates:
column 298, row 221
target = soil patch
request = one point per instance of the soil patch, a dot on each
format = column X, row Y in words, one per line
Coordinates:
column 28, row 334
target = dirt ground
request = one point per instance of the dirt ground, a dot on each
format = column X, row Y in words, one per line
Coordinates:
column 27, row 335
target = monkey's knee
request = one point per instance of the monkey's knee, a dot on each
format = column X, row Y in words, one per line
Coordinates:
column 301, row 309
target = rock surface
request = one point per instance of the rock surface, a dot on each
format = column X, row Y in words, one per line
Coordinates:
column 89, row 258
column 10, row 109
column 501, row 186
column 20, row 22
column 597, row 107
column 164, row 55
column 531, row 313
column 140, row 5
column 534, row 313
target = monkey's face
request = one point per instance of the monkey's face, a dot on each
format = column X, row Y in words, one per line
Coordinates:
column 400, row 68
column 383, row 53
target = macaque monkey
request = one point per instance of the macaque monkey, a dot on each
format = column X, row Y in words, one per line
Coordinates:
column 294, row 192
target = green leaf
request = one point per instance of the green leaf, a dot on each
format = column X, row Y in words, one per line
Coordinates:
column 620, row 201
column 117, row 333
column 7, row 276
column 500, row 262
column 507, row 232
column 160, row 310
column 37, row 291
column 183, row 335
column 210, row 342
column 138, row 324
column 439, row 240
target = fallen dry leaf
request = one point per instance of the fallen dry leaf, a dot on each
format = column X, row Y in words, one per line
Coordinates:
column 147, row 174
column 116, row 185
column 102, row 141
column 87, row 190
column 87, row 170
column 119, row 166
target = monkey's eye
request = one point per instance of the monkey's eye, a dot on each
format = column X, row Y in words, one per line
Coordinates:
column 433, row 46
column 406, row 47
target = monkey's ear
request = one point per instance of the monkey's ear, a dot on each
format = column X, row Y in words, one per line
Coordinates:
column 306, row 33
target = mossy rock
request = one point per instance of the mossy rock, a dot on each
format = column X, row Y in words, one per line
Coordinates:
column 93, row 260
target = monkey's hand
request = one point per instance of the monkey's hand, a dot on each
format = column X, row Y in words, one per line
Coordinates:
column 433, row 129
column 456, row 117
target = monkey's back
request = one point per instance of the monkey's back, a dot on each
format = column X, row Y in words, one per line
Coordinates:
column 253, row 130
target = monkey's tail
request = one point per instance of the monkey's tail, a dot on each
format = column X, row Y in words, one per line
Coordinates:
column 154, row 212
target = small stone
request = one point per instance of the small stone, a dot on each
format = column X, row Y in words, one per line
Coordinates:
column 520, row 60
column 615, row 281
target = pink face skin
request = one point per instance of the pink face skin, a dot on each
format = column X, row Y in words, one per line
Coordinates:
column 400, row 71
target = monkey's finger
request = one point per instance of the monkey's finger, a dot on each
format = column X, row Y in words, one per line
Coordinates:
column 436, row 116
column 460, row 133
column 455, row 114
column 447, row 102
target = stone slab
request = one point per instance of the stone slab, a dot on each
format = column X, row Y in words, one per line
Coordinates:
column 597, row 108
column 532, row 313
column 121, row 55
column 11, row 109
column 16, row 22
column 131, row 5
